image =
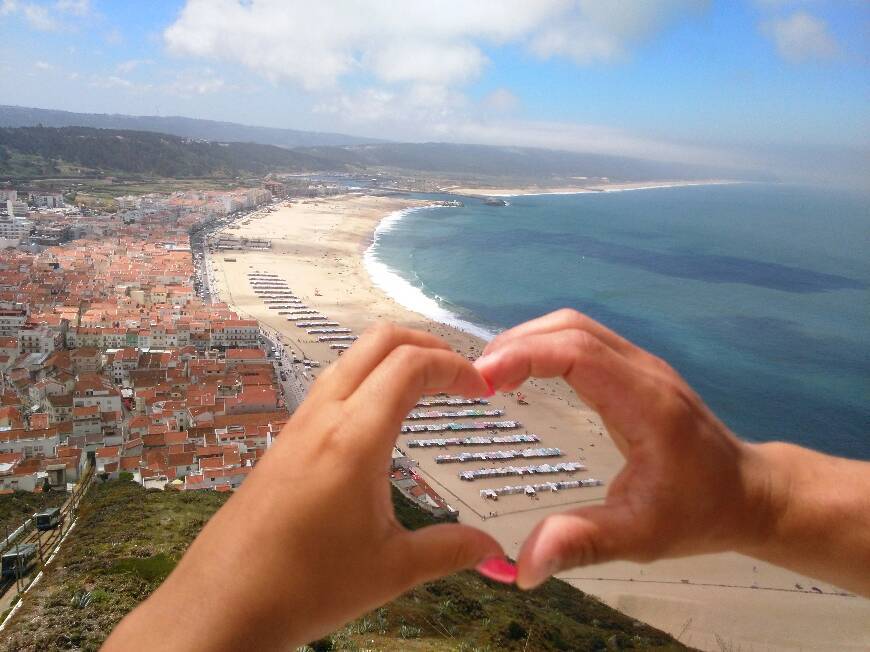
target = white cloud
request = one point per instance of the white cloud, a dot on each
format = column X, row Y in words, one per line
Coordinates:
column 126, row 67
column 190, row 83
column 39, row 17
column 43, row 16
column 8, row 7
column 75, row 7
column 802, row 37
column 500, row 100
column 316, row 44
column 399, row 68
column 422, row 104
column 110, row 81
column 43, row 65
column 603, row 31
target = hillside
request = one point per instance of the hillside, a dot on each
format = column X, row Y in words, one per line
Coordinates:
column 23, row 116
column 128, row 539
column 19, row 506
column 85, row 151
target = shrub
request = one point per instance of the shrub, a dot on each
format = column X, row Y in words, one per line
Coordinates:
column 515, row 631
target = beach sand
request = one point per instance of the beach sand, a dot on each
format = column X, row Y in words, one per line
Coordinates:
column 590, row 186
column 707, row 602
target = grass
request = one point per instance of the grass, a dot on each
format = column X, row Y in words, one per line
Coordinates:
column 128, row 539
column 20, row 506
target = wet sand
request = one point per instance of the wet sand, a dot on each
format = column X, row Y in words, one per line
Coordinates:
column 317, row 248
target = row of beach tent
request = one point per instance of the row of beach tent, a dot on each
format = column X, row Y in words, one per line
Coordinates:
column 482, row 425
column 501, row 471
column 436, row 414
column 532, row 489
column 498, row 455
column 451, row 400
column 472, row 441
column 291, row 307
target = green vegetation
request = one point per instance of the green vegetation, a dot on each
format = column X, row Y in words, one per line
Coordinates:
column 22, row 116
column 88, row 152
column 15, row 508
column 125, row 543
column 128, row 539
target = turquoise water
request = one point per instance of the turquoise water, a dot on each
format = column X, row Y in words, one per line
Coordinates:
column 759, row 295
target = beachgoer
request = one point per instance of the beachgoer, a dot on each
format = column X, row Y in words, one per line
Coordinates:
column 310, row 540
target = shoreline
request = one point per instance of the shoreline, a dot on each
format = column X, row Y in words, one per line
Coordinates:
column 535, row 191
column 389, row 281
column 319, row 248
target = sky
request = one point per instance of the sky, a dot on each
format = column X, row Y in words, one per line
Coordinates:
column 780, row 85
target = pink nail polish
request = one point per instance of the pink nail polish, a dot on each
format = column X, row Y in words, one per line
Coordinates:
column 498, row 569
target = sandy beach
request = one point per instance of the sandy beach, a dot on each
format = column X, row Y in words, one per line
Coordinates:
column 707, row 602
column 580, row 188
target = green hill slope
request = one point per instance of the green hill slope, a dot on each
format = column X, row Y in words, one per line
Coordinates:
column 127, row 540
column 84, row 151
column 25, row 116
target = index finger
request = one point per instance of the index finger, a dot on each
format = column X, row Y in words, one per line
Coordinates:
column 560, row 320
column 609, row 383
column 342, row 377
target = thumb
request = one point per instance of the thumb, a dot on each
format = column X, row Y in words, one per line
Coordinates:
column 590, row 535
column 439, row 550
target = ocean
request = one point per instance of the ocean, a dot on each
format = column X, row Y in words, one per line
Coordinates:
column 758, row 294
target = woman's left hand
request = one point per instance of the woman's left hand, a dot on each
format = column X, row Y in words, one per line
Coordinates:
column 310, row 540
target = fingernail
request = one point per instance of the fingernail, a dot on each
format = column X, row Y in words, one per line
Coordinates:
column 498, row 569
column 545, row 572
column 486, row 358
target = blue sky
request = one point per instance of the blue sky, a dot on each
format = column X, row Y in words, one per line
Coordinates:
column 741, row 82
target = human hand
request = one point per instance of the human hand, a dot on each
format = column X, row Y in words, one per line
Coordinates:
column 688, row 486
column 310, row 540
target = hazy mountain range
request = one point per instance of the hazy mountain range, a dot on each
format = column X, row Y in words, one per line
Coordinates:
column 22, row 116
column 40, row 142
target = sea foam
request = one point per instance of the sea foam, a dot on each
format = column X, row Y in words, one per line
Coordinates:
column 404, row 292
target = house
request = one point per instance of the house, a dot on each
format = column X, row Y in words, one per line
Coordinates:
column 92, row 389
column 86, row 359
column 18, row 473
column 87, row 420
column 105, row 456
column 123, row 361
column 30, row 443
column 59, row 407
column 236, row 356
column 10, row 417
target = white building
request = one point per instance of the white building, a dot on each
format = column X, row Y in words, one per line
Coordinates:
column 39, row 338
column 13, row 229
column 47, row 199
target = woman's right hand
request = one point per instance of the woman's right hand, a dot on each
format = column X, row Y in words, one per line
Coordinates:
column 688, row 486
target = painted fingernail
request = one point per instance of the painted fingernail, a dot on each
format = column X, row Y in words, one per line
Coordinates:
column 498, row 569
